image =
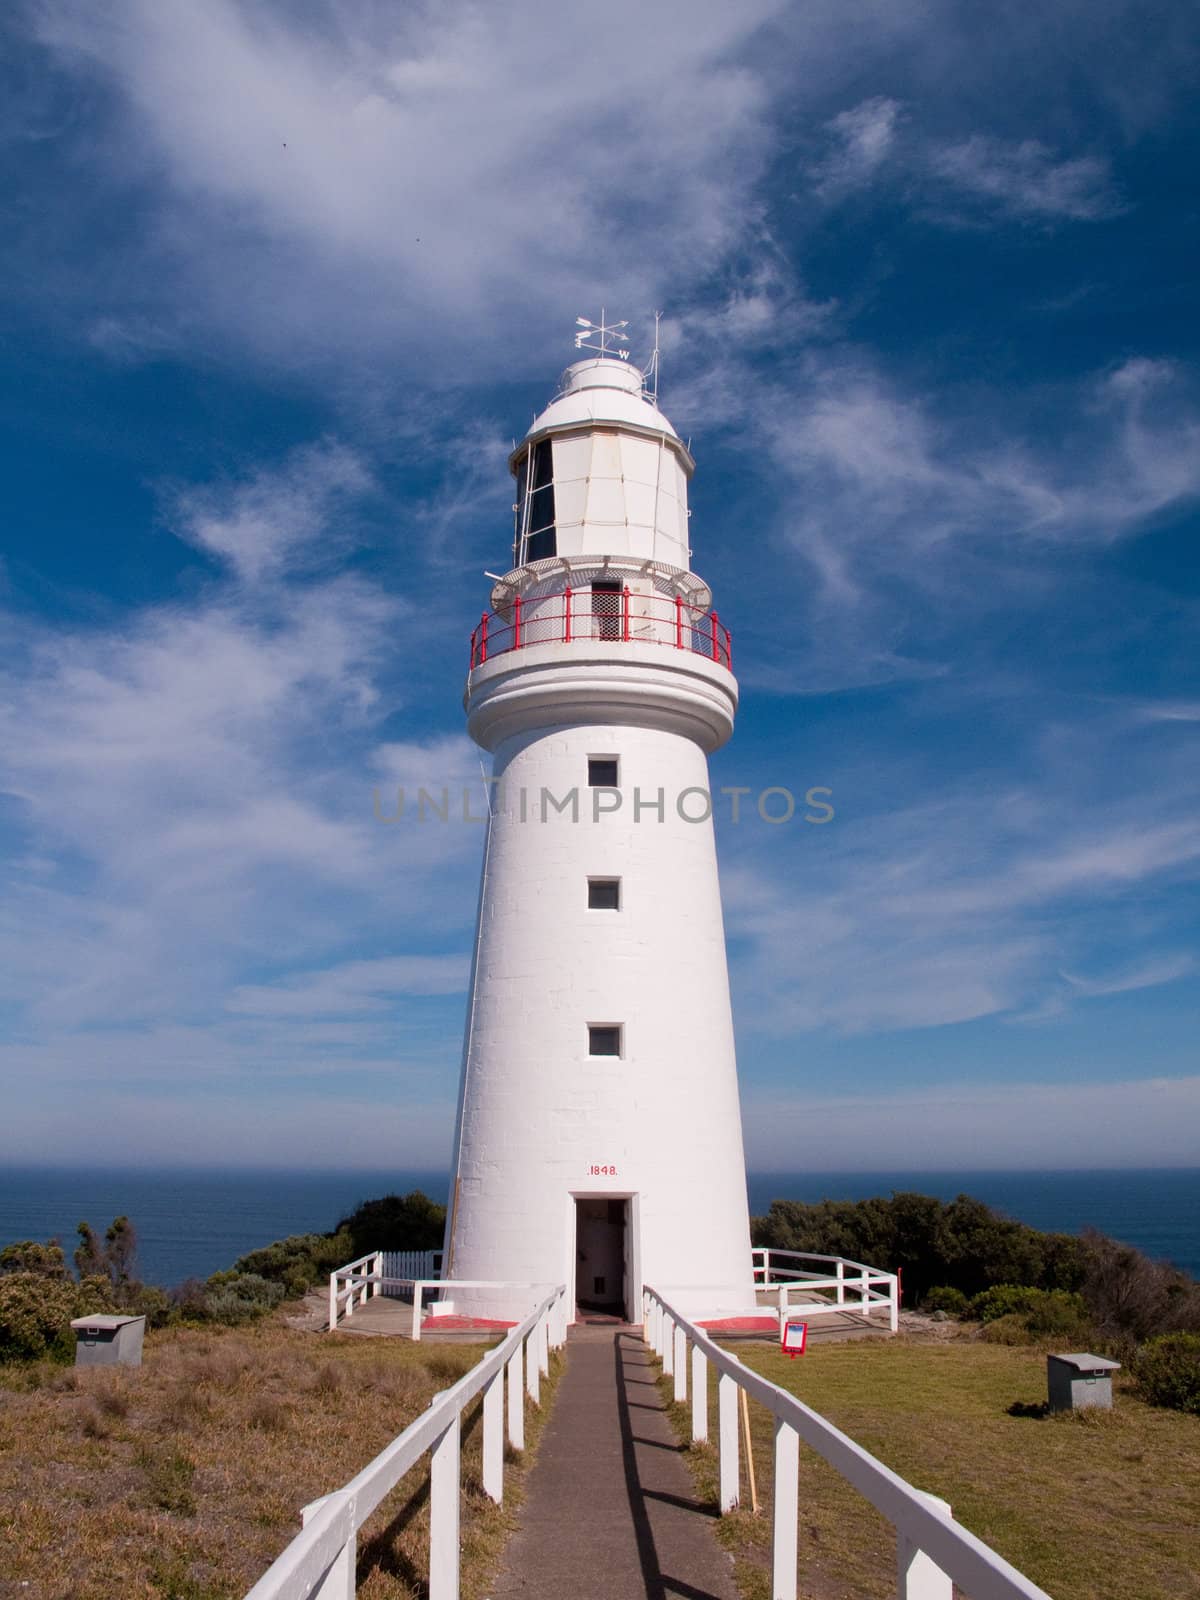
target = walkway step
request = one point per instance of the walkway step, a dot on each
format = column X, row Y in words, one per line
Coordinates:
column 610, row 1513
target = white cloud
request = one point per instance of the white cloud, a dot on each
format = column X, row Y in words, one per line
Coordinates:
column 261, row 525
column 861, row 140
column 353, row 987
column 940, row 912
column 401, row 177
column 968, row 1126
column 190, row 793
column 1026, row 180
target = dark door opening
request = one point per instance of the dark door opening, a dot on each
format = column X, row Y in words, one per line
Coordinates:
column 600, row 1246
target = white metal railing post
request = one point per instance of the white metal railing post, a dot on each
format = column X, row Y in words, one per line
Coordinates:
column 333, row 1278
column 727, row 1441
column 516, row 1399
column 786, row 1512
column 783, row 1305
column 444, row 1490
column 418, row 1290
column 865, row 1306
column 338, row 1582
column 493, row 1438
column 680, row 1363
column 841, row 1282
column 377, row 1287
column 917, row 1577
column 894, row 1302
column 699, row 1394
column 532, row 1384
column 668, row 1345
column 543, row 1344
column 935, row 1557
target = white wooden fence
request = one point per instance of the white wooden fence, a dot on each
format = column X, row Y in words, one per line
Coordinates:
column 359, row 1281
column 932, row 1551
column 354, row 1284
column 320, row 1561
column 855, row 1287
column 412, row 1263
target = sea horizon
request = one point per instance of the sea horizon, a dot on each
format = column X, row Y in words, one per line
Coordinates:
column 192, row 1221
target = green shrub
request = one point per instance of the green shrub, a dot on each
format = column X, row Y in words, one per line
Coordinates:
column 395, row 1222
column 1045, row 1311
column 944, row 1298
column 36, row 1312
column 237, row 1297
column 1167, row 1371
column 1004, row 1300
column 962, row 1245
column 300, row 1261
column 43, row 1260
column 1012, row 1328
column 1055, row 1313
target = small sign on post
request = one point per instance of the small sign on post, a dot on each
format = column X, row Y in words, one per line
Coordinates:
column 794, row 1338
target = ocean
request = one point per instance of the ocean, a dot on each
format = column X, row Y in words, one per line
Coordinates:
column 191, row 1223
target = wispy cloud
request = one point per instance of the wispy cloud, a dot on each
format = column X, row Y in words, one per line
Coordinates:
column 969, row 1125
column 400, row 177
column 860, row 140
column 967, row 907
column 261, row 524
column 1026, row 180
column 353, row 987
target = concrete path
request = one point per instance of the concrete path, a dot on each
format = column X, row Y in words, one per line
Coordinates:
column 610, row 1513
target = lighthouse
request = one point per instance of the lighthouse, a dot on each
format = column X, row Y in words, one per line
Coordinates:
column 598, row 1138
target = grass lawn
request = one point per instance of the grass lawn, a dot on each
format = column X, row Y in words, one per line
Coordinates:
column 183, row 1480
column 1100, row 1507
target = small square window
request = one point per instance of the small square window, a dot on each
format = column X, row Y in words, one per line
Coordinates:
column 604, row 894
column 602, row 772
column 604, row 1039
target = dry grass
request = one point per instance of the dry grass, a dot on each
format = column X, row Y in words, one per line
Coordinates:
column 182, row 1480
column 1089, row 1507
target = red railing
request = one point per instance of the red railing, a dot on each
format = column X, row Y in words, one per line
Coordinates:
column 616, row 615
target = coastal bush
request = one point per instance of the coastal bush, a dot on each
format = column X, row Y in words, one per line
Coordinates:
column 43, row 1260
column 299, row 1261
column 1131, row 1298
column 1167, row 1371
column 394, row 1222
column 952, row 1301
column 236, row 1297
column 36, row 1312
column 1002, row 1300
column 961, row 1244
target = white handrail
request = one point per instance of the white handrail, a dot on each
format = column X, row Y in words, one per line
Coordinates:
column 319, row 1562
column 876, row 1290
column 923, row 1526
column 365, row 1284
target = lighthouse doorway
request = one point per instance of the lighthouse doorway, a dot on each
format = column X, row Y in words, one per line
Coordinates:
column 601, row 1255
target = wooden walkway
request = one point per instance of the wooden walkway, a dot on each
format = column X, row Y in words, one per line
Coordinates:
column 610, row 1510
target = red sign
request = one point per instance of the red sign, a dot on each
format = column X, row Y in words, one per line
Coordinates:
column 794, row 1338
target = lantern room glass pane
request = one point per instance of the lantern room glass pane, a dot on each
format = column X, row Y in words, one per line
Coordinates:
column 536, row 516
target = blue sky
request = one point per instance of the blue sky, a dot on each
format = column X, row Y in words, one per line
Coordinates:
column 278, row 286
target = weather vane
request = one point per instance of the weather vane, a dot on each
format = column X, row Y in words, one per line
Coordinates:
column 604, row 333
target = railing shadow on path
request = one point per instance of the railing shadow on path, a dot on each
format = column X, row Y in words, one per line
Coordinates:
column 629, row 1358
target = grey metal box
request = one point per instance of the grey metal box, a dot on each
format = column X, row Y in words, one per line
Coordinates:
column 1076, row 1381
column 108, row 1341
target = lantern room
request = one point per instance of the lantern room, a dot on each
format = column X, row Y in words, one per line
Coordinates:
column 601, row 473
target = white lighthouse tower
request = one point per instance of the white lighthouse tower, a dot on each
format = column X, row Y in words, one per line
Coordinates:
column 599, row 1137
